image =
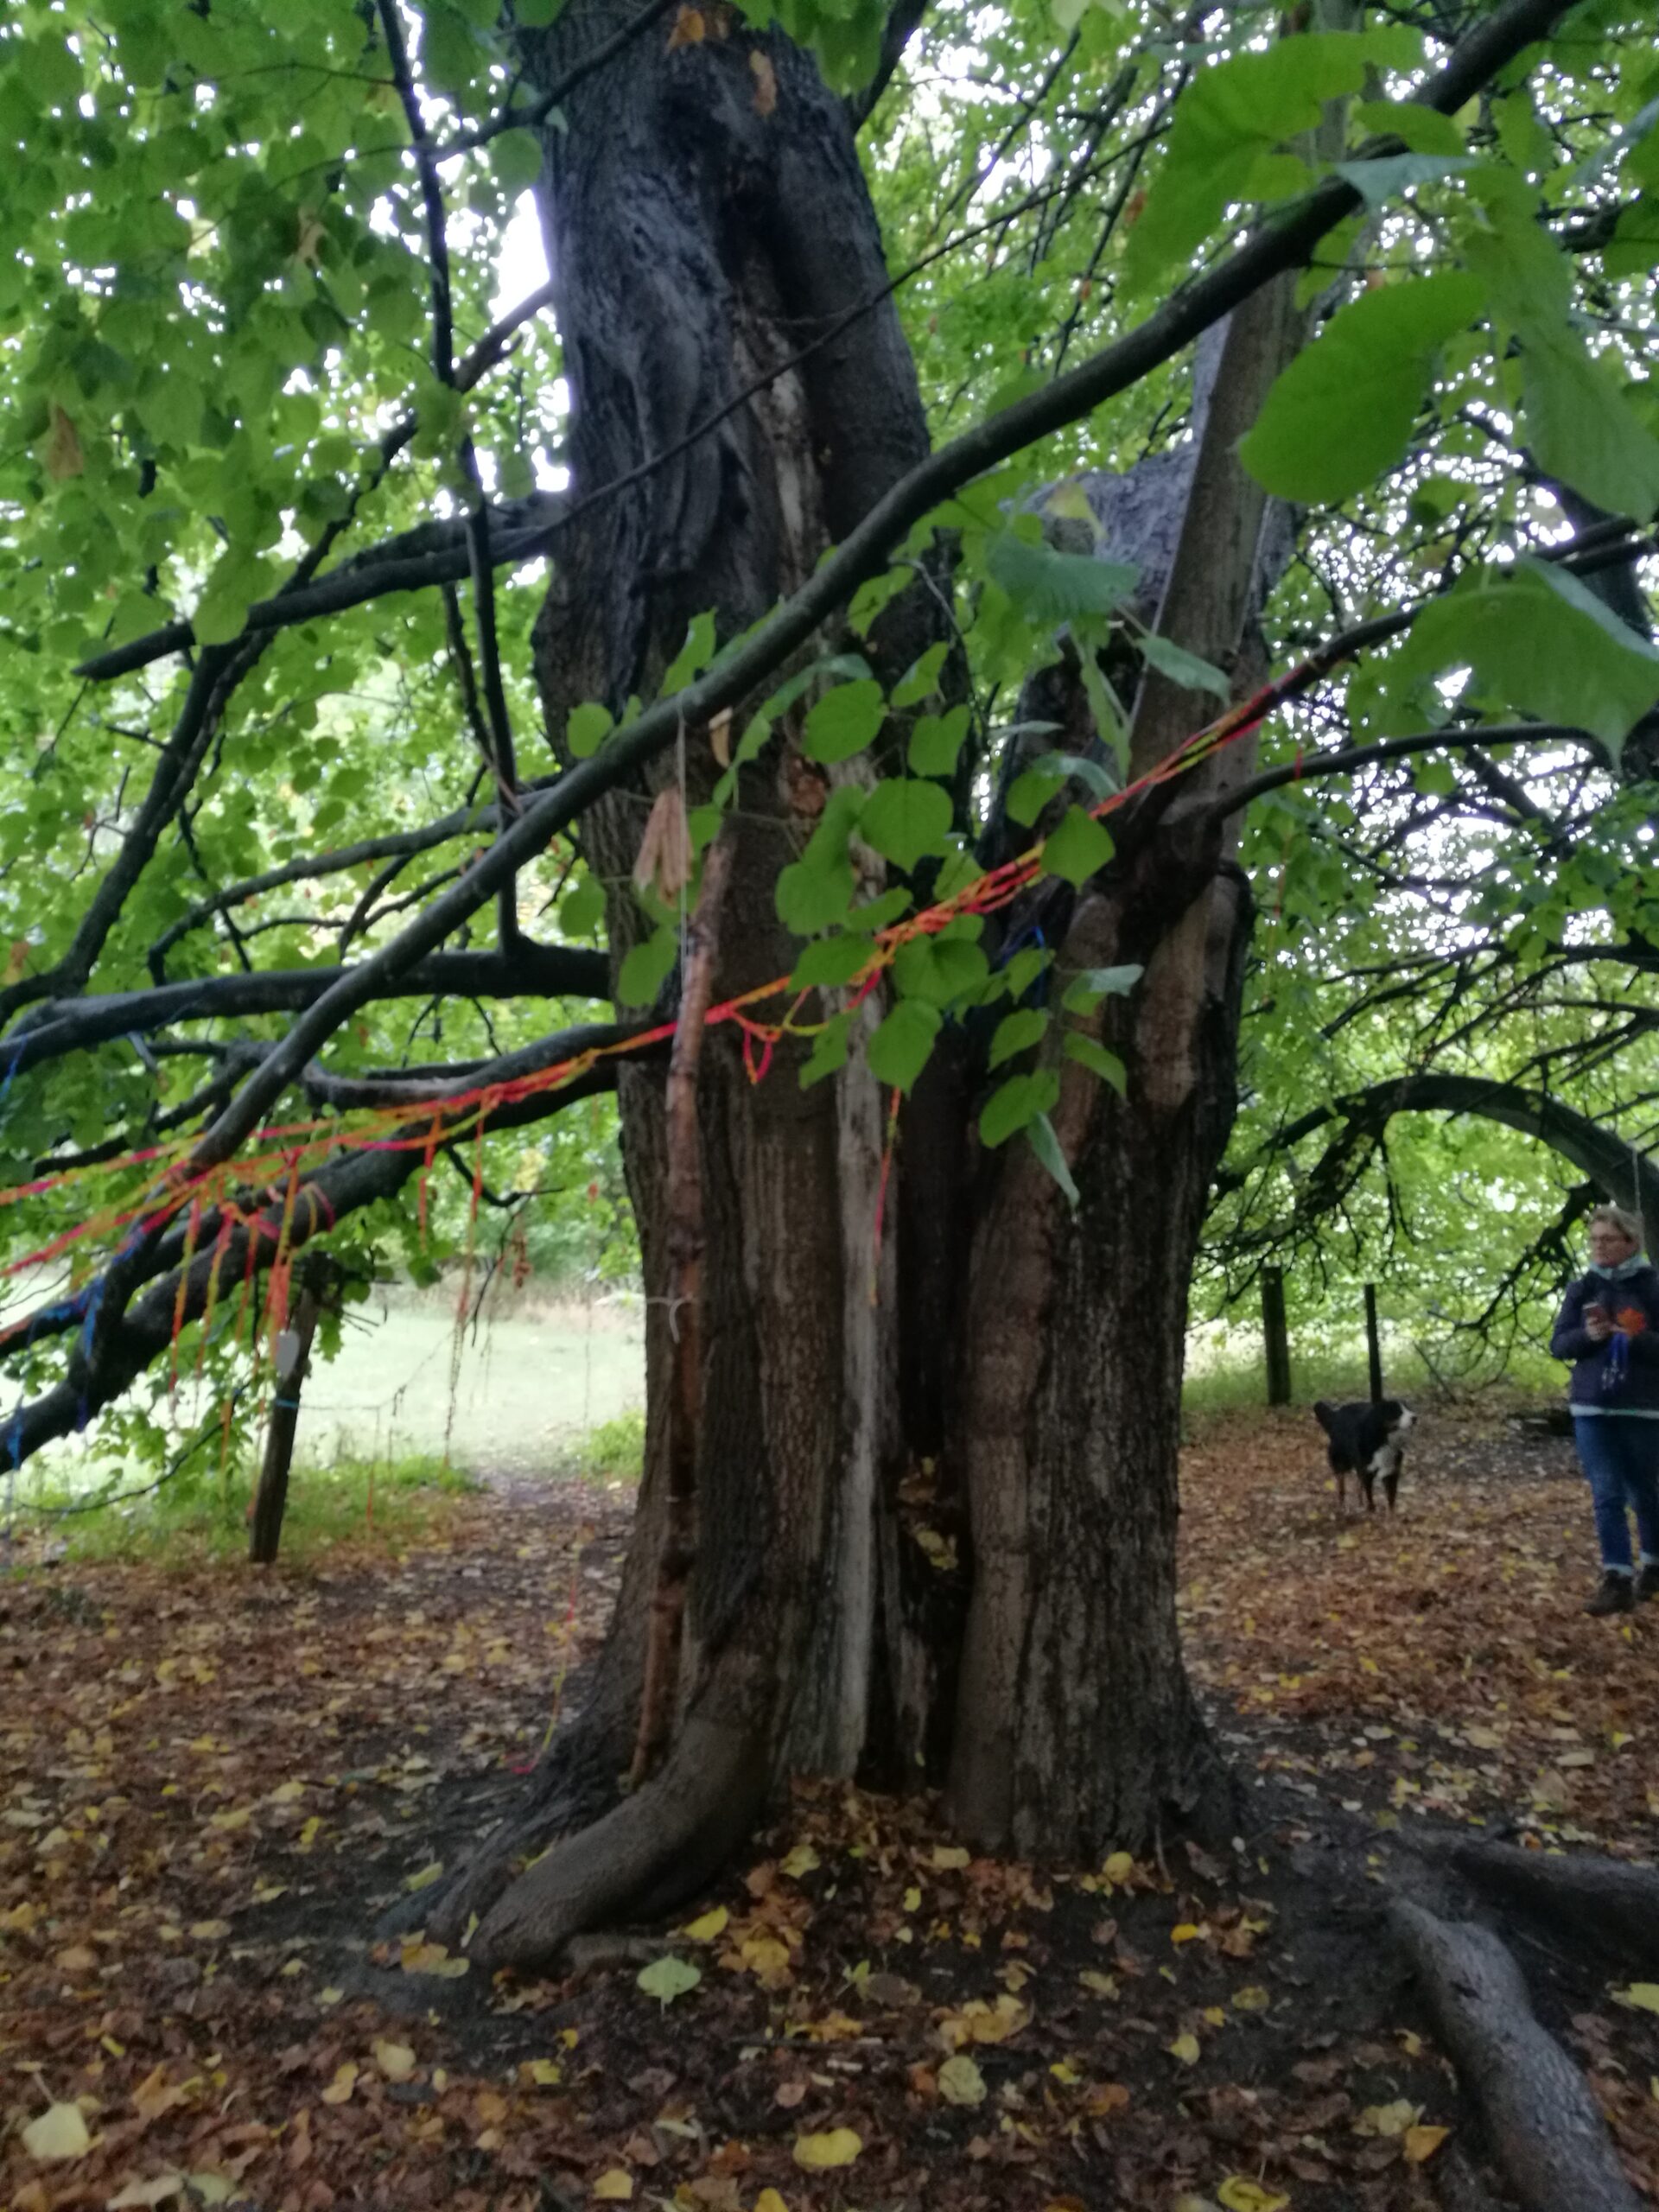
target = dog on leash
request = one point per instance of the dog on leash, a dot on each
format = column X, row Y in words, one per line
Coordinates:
column 1366, row 1440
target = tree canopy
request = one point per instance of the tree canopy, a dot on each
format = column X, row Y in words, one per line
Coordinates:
column 288, row 871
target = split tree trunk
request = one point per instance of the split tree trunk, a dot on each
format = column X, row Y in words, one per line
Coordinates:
column 1015, row 1366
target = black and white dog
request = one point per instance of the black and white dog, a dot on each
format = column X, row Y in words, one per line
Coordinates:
column 1368, row 1441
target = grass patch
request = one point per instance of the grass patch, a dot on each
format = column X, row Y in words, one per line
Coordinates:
column 1234, row 1380
column 351, row 1500
column 613, row 1451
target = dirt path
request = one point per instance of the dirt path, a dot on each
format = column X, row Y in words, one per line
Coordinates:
column 209, row 1786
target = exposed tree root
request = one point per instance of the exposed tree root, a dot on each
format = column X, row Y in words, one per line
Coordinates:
column 649, row 1853
column 1457, row 2184
column 1546, row 2133
column 1602, row 1902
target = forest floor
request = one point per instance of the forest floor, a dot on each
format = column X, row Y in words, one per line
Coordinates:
column 211, row 1782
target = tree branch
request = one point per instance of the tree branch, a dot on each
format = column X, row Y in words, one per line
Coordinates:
column 431, row 553
column 1351, row 758
column 75, row 1025
column 1284, row 242
column 129, row 1343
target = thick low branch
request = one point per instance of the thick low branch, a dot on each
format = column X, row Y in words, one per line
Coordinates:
column 76, row 1025
column 343, row 1187
column 1284, row 242
column 1546, row 2129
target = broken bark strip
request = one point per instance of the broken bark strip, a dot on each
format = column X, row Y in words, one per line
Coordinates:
column 1602, row 1902
column 271, row 1501
column 1546, row 2132
column 685, row 1241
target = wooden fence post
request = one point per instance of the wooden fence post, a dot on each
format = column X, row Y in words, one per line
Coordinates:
column 270, row 1502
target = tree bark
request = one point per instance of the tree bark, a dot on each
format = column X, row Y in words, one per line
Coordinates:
column 1276, row 1336
column 271, row 1500
column 1076, row 1725
column 696, row 240
column 1549, row 2138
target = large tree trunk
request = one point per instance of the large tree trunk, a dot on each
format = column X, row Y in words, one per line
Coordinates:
column 700, row 230
column 1015, row 1367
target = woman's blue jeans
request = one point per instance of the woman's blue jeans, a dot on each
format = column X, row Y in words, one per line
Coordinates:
column 1619, row 1453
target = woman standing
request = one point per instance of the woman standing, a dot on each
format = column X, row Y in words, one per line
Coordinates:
column 1609, row 1328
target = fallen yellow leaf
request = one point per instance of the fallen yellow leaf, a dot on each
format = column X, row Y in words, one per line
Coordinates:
column 542, row 2072
column 340, row 2089
column 395, row 2060
column 427, row 1876
column 1640, row 1997
column 947, row 1857
column 60, row 2132
column 1422, row 2143
column 838, row 2147
column 961, row 2081
column 800, row 1861
column 1388, row 2119
column 769, row 2201
column 1241, row 2195
column 1251, row 2000
column 1186, row 2048
column 706, row 1926
column 614, row 2185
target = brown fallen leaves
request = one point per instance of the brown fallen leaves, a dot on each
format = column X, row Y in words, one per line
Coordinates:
column 208, row 1792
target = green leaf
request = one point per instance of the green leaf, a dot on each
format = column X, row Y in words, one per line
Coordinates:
column 1023, row 970
column 581, row 910
column 814, row 895
column 1583, row 429
column 1227, row 126
column 646, row 968
column 1051, row 588
column 936, row 741
column 1017, row 1032
column 898, row 1050
column 587, row 728
column 831, row 962
column 693, row 657
column 906, row 819
column 1536, row 641
column 921, row 681
column 516, row 157
column 1185, row 669
column 844, row 721
column 877, row 913
column 1386, row 177
column 1342, row 413
column 1425, row 130
column 1094, row 1056
column 941, row 970
column 1016, row 1104
column 1085, row 991
column 668, row 1978
column 829, row 1054
column 1077, row 849
column 1041, row 1137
